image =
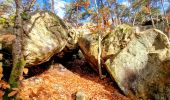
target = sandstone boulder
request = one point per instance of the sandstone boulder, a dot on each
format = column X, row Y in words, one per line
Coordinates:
column 45, row 35
column 142, row 68
column 138, row 62
column 112, row 43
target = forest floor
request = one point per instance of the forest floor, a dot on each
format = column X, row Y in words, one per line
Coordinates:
column 62, row 82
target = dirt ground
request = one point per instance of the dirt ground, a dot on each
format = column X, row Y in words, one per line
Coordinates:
column 63, row 82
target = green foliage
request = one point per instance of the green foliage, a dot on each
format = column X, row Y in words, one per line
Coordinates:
column 25, row 16
column 7, row 21
column 12, row 18
column 3, row 20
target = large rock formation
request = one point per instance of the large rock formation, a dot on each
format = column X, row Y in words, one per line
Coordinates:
column 45, row 34
column 138, row 62
column 142, row 68
column 112, row 43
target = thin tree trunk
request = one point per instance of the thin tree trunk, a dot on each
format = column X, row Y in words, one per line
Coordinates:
column 99, row 47
column 110, row 12
column 116, row 18
column 77, row 17
column 134, row 20
column 157, row 19
column 52, row 6
column 18, row 61
column 130, row 11
column 153, row 23
column 111, row 16
column 166, row 19
column 116, row 14
column 99, row 56
column 164, row 13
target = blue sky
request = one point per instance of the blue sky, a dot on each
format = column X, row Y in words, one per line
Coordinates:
column 60, row 5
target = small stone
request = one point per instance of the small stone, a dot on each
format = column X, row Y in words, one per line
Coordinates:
column 62, row 68
column 80, row 95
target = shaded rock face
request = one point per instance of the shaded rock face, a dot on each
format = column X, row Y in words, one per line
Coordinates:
column 89, row 48
column 45, row 34
column 139, row 63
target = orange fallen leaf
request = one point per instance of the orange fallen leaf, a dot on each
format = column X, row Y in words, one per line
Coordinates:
column 7, row 37
column 4, row 85
column 15, row 89
column 12, row 93
column 1, row 93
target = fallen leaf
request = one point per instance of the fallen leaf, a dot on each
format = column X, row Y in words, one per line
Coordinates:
column 12, row 93
column 7, row 38
column 25, row 70
column 4, row 85
column 15, row 89
column 1, row 93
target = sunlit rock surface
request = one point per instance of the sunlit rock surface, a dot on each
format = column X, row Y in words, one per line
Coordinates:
column 138, row 62
column 45, row 34
column 112, row 43
column 142, row 68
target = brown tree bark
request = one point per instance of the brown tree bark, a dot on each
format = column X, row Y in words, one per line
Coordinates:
column 18, row 61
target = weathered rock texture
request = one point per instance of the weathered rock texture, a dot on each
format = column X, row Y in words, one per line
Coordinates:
column 45, row 34
column 138, row 62
column 112, row 44
column 142, row 68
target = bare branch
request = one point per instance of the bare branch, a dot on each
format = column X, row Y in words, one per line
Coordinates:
column 30, row 4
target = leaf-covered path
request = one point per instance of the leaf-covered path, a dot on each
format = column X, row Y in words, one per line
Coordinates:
column 60, row 83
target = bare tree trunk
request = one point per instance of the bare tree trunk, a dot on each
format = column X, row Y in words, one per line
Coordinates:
column 166, row 19
column 116, row 19
column 111, row 15
column 18, row 61
column 157, row 16
column 52, row 6
column 77, row 17
column 164, row 12
column 99, row 47
column 130, row 11
column 99, row 55
column 134, row 20
column 153, row 23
